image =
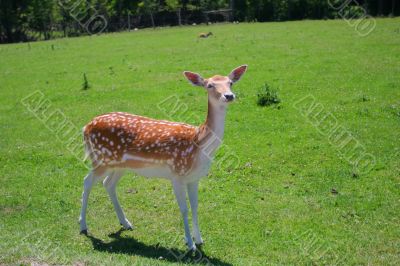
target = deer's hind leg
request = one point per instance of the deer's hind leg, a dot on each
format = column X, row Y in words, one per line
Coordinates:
column 110, row 184
column 88, row 183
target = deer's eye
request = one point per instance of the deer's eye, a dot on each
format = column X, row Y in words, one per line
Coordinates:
column 230, row 83
column 210, row 86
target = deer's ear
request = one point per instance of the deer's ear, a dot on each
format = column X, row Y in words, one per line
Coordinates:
column 237, row 73
column 194, row 78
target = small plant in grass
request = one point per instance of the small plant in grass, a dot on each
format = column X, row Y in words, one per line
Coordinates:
column 364, row 98
column 267, row 96
column 85, row 84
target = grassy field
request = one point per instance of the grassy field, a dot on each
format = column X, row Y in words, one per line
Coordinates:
column 293, row 198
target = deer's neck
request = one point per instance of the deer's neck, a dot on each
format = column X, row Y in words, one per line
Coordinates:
column 211, row 132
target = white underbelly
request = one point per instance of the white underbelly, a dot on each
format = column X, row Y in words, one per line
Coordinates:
column 162, row 170
column 156, row 171
column 201, row 170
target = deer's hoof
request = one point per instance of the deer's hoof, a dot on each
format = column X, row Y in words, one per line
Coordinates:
column 200, row 244
column 84, row 232
column 127, row 226
column 198, row 241
column 192, row 248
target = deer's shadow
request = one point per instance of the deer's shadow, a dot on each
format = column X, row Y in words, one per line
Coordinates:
column 130, row 246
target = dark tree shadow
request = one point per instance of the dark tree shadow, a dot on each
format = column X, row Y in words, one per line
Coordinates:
column 131, row 246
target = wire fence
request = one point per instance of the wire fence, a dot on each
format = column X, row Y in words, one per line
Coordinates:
column 98, row 23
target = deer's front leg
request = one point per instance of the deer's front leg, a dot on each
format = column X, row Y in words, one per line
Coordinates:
column 180, row 194
column 193, row 189
column 110, row 184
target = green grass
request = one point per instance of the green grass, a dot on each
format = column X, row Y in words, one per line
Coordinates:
column 277, row 207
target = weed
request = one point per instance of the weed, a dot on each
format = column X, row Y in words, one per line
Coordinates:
column 85, row 85
column 267, row 96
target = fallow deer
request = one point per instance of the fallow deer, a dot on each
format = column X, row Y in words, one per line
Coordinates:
column 205, row 35
column 119, row 141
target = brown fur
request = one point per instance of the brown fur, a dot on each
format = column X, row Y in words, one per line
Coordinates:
column 205, row 35
column 112, row 135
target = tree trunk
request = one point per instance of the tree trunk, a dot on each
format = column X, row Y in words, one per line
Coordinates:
column 178, row 12
column 120, row 15
column 380, row 7
column 9, row 34
column 232, row 13
column 64, row 28
column 129, row 21
column 152, row 20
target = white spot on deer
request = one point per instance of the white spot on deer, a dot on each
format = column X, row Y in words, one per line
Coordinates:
column 104, row 150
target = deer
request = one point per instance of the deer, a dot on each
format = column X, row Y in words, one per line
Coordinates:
column 205, row 35
column 118, row 142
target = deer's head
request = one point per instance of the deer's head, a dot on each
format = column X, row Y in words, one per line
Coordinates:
column 218, row 87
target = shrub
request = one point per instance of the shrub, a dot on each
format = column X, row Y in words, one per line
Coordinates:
column 267, row 96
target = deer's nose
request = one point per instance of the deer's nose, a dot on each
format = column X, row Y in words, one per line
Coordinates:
column 229, row 97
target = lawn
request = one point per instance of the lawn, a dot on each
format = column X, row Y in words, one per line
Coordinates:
column 294, row 196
